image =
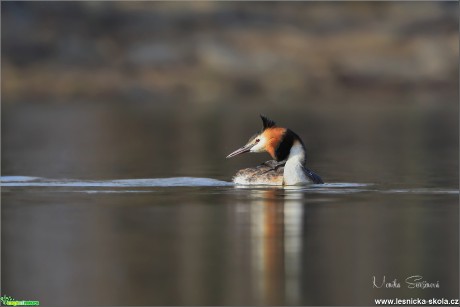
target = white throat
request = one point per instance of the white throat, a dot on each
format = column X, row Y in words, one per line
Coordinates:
column 294, row 169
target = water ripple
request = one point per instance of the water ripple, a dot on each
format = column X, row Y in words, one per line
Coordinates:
column 327, row 188
column 22, row 181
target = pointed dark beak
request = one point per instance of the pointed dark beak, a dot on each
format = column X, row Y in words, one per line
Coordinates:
column 242, row 150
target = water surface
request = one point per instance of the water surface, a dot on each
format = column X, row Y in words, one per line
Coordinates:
column 134, row 205
column 174, row 241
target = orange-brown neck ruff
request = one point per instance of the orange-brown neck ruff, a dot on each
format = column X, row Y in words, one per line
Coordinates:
column 274, row 136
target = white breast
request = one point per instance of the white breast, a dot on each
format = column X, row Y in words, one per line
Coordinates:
column 294, row 169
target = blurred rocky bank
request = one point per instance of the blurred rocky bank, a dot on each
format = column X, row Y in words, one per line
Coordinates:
column 216, row 52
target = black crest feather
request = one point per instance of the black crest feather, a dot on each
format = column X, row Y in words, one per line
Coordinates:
column 267, row 122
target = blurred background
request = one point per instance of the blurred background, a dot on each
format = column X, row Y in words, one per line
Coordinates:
column 215, row 53
column 109, row 90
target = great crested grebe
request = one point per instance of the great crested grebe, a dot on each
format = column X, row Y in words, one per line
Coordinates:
column 288, row 152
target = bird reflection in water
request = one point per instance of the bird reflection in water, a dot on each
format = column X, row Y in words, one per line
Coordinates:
column 276, row 219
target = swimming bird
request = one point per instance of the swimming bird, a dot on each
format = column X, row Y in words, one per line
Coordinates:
column 288, row 152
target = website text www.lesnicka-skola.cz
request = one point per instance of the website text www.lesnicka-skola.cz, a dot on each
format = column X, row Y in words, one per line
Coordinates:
column 417, row 301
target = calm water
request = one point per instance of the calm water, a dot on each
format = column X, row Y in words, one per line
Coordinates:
column 108, row 217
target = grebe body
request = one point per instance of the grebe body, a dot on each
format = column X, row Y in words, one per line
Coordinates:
column 288, row 152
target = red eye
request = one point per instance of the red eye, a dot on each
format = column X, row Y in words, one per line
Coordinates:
column 257, row 140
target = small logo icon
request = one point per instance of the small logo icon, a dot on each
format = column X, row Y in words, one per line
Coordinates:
column 9, row 301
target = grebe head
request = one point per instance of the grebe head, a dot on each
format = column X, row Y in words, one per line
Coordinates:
column 277, row 141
